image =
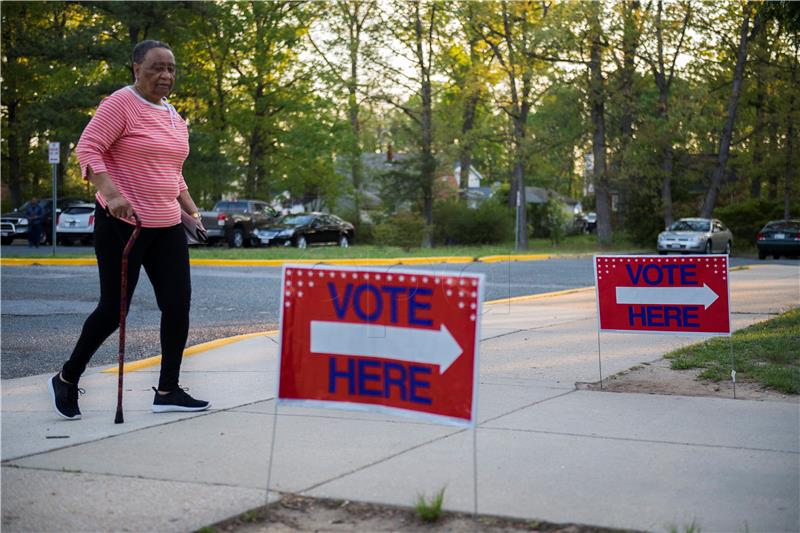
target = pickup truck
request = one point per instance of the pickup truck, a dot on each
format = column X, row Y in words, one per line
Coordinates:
column 237, row 221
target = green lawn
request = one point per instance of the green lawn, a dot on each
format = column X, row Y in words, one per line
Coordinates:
column 767, row 353
column 580, row 244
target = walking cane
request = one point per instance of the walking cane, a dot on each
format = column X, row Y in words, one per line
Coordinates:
column 123, row 312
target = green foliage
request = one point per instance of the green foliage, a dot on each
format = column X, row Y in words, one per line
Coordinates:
column 767, row 352
column 457, row 224
column 430, row 511
column 404, row 229
column 746, row 218
column 549, row 220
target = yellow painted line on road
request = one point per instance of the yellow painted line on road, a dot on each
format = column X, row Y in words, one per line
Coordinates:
column 352, row 262
column 521, row 257
column 529, row 297
column 91, row 261
column 188, row 352
column 43, row 261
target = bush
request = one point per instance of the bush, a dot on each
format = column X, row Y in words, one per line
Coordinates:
column 404, row 229
column 457, row 224
column 745, row 218
column 549, row 221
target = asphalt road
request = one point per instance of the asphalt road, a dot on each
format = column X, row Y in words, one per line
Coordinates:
column 43, row 308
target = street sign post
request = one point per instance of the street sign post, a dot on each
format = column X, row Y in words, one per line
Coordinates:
column 656, row 294
column 389, row 340
column 54, row 157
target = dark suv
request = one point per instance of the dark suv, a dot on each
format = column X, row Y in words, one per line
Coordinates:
column 14, row 225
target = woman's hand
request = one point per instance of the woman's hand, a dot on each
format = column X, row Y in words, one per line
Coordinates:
column 119, row 207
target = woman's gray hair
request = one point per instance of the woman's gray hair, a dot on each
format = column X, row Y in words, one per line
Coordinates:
column 143, row 47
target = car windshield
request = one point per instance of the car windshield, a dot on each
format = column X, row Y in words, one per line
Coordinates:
column 295, row 220
column 79, row 210
column 690, row 225
column 231, row 206
column 784, row 225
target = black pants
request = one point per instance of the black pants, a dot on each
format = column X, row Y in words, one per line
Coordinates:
column 34, row 235
column 164, row 254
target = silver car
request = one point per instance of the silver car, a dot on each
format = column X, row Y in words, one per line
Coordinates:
column 700, row 235
column 76, row 223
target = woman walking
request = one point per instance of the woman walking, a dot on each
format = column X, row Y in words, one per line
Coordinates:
column 133, row 151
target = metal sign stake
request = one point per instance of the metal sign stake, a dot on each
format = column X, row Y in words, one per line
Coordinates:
column 54, row 156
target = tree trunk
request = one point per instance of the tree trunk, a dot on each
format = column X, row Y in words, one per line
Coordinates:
column 790, row 171
column 725, row 142
column 14, row 180
column 465, row 159
column 356, row 170
column 426, row 145
column 256, row 145
column 597, row 105
column 472, row 97
column 758, row 129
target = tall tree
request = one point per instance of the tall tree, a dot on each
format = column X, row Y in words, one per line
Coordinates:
column 597, row 101
column 515, row 39
column 662, row 64
column 745, row 34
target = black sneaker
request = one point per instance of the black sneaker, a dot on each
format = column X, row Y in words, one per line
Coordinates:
column 65, row 397
column 177, row 400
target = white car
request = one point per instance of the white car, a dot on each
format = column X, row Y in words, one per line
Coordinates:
column 76, row 223
column 699, row 235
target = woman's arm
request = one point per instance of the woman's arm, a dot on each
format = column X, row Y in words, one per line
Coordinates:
column 117, row 204
column 188, row 205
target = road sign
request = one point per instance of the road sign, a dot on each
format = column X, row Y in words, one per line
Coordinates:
column 388, row 340
column 54, row 153
column 679, row 295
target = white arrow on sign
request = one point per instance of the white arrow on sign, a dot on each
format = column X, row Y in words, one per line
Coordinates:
column 667, row 295
column 430, row 346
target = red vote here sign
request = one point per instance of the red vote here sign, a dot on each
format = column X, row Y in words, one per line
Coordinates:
column 359, row 338
column 680, row 295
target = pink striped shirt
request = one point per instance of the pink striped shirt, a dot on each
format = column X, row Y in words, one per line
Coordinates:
column 142, row 147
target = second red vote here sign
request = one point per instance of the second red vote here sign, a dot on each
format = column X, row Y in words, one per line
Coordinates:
column 680, row 295
column 359, row 338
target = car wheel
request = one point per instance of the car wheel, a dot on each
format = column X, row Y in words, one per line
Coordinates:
column 776, row 256
column 44, row 240
column 7, row 240
column 344, row 242
column 762, row 255
column 728, row 248
column 236, row 240
column 300, row 242
column 708, row 247
column 662, row 252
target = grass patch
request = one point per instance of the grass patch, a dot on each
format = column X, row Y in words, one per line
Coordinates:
column 767, row 353
column 430, row 511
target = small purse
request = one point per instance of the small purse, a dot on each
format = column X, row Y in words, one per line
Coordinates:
column 195, row 234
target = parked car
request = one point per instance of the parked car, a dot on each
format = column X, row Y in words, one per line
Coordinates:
column 236, row 221
column 779, row 237
column 76, row 223
column 14, row 225
column 307, row 229
column 701, row 235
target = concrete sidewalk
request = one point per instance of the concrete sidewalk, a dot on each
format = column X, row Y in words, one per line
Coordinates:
column 546, row 451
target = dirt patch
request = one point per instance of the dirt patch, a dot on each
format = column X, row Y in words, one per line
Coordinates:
column 300, row 513
column 658, row 378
